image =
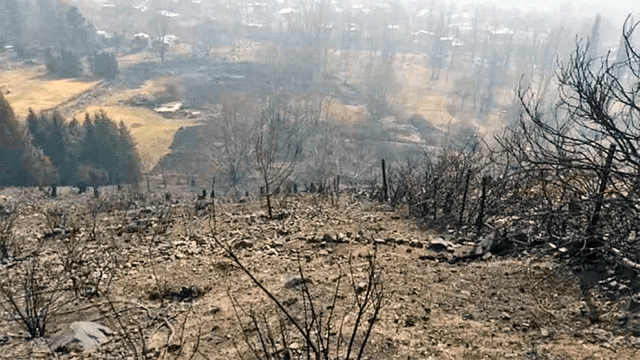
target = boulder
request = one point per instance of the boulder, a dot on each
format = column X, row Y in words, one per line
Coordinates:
column 79, row 335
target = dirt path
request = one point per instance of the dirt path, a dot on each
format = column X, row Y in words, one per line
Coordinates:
column 97, row 94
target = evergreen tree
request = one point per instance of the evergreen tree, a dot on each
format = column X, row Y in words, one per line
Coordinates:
column 11, row 146
column 52, row 135
column 21, row 163
column 66, row 64
column 81, row 36
column 110, row 147
column 105, row 65
column 70, row 65
column 11, row 22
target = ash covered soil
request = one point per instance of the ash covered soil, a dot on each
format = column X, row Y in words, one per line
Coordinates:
column 151, row 270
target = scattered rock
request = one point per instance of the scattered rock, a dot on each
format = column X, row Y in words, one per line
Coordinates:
column 328, row 238
column 57, row 233
column 314, row 240
column 79, row 335
column 290, row 301
column 186, row 294
column 379, row 241
column 433, row 256
column 439, row 244
column 361, row 287
column 416, row 244
column 281, row 216
column 409, row 321
column 131, row 228
column 486, row 244
column 243, row 244
column 295, row 283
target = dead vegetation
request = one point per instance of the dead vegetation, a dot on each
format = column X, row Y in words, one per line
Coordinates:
column 186, row 285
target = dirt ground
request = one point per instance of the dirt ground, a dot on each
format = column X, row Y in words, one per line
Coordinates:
column 178, row 287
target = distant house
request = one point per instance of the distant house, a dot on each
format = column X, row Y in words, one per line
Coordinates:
column 169, row 108
column 7, row 55
column 170, row 40
column 140, row 41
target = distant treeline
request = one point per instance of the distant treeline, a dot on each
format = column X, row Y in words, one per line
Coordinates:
column 48, row 150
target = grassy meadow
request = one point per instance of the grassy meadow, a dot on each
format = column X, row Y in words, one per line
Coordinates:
column 30, row 88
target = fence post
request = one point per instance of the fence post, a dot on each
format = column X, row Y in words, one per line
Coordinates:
column 213, row 184
column 435, row 197
column 384, row 182
column 464, row 198
column 424, row 197
column 595, row 215
column 483, row 197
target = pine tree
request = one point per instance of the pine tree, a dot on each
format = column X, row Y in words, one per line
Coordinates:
column 52, row 135
column 105, row 65
column 21, row 163
column 110, row 147
column 11, row 146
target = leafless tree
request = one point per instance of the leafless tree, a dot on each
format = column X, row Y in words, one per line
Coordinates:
column 277, row 144
column 237, row 117
column 582, row 147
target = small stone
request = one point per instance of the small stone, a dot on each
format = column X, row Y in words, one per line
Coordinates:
column 314, row 240
column 433, row 256
column 505, row 316
column 323, row 252
column 544, row 332
column 295, row 283
column 361, row 287
column 416, row 244
column 328, row 238
column 379, row 241
column 290, row 301
column 243, row 244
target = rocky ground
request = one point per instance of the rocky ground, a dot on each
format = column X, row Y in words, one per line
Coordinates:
column 156, row 273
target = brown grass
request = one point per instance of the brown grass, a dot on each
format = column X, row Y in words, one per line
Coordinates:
column 31, row 89
column 342, row 112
